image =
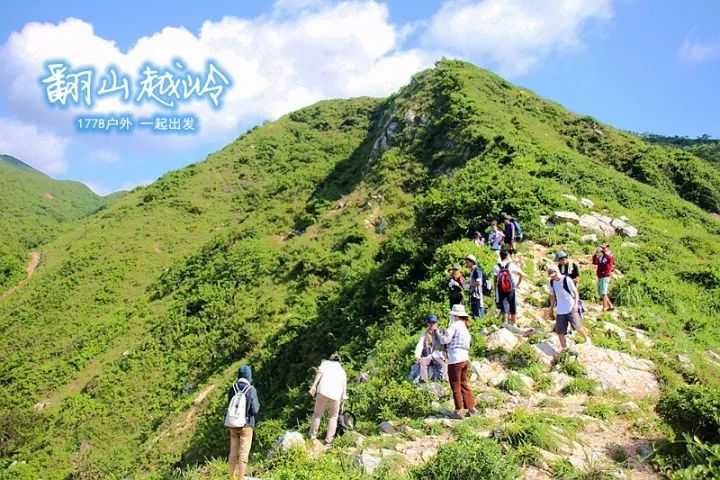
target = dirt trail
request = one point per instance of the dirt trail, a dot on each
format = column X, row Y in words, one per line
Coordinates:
column 35, row 258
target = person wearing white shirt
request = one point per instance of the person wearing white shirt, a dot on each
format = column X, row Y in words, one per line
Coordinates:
column 458, row 339
column 330, row 391
column 564, row 300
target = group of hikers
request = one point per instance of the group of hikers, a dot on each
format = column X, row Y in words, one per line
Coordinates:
column 441, row 353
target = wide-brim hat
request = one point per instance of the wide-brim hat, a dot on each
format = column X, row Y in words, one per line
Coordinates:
column 471, row 258
column 458, row 310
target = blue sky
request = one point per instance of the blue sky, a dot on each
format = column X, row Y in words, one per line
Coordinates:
column 641, row 65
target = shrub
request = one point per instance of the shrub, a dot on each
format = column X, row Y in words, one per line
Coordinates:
column 478, row 458
column 522, row 356
column 513, row 384
column 693, row 410
column 600, row 410
column 580, row 385
column 566, row 363
column 544, row 431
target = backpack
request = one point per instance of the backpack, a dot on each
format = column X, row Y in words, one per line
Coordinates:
column 236, row 415
column 565, row 285
column 504, row 279
column 581, row 305
column 486, row 285
column 518, row 230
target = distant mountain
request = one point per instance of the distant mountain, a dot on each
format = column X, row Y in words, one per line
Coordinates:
column 705, row 147
column 33, row 207
column 332, row 229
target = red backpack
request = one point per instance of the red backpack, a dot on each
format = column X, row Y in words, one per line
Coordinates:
column 504, row 279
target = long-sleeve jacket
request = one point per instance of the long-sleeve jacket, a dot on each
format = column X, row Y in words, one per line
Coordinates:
column 605, row 264
column 253, row 403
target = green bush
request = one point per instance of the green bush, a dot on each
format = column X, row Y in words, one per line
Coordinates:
column 580, row 385
column 522, row 356
column 693, row 410
column 544, row 431
column 477, row 458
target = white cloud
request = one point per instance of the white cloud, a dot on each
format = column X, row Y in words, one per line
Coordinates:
column 105, row 155
column 513, row 35
column 38, row 148
column 697, row 51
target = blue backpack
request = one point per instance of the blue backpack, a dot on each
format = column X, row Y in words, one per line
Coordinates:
column 518, row 229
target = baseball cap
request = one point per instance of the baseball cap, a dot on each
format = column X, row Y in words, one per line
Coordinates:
column 432, row 318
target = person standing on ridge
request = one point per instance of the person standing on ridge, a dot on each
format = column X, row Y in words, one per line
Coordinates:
column 476, row 286
column 242, row 410
column 564, row 304
column 511, row 235
column 458, row 339
column 330, row 391
column 429, row 351
column 495, row 238
column 571, row 270
column 508, row 278
column 456, row 285
column 605, row 261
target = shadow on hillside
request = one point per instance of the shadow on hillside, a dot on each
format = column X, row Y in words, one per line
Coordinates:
column 344, row 177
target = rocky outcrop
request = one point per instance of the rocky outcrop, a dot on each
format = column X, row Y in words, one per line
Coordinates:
column 616, row 370
column 503, row 339
column 596, row 222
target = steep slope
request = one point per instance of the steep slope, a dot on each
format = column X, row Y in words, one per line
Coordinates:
column 329, row 229
column 33, row 206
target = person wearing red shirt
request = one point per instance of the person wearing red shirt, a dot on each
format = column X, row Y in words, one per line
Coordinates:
column 605, row 261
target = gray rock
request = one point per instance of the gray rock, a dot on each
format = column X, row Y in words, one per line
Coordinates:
column 558, row 381
column 616, row 370
column 629, row 231
column 546, row 353
column 611, row 327
column 387, row 427
column 436, row 389
column 289, row 440
column 371, row 458
column 566, row 217
column 503, row 339
column 597, row 223
column 628, row 407
column 570, row 197
column 589, row 238
column 587, row 202
column 644, row 451
column 381, row 226
column 362, row 377
column 618, row 224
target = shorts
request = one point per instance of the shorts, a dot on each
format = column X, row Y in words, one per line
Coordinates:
column 240, row 443
column 603, row 285
column 506, row 302
column 565, row 319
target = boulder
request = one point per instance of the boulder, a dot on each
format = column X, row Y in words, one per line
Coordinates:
column 616, row 370
column 624, row 218
column 587, row 202
column 602, row 218
column 628, row 407
column 597, row 224
column 546, row 222
column 611, row 327
column 503, row 339
column 387, row 427
column 484, row 371
column 589, row 238
column 558, row 381
column 371, row 458
column 436, row 389
column 289, row 440
column 629, row 231
column 362, row 377
column 546, row 353
column 570, row 197
column 566, row 217
column 618, row 224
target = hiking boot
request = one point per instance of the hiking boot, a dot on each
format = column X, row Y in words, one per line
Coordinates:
column 455, row 416
column 473, row 411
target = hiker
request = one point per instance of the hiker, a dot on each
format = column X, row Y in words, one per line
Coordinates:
column 605, row 261
column 477, row 285
column 457, row 338
column 564, row 304
column 242, row 410
column 571, row 270
column 508, row 277
column 430, row 352
column 479, row 239
column 330, row 391
column 566, row 267
column 512, row 233
column 456, row 285
column 495, row 238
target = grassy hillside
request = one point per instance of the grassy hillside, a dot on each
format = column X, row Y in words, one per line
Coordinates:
column 704, row 147
column 328, row 229
column 33, row 206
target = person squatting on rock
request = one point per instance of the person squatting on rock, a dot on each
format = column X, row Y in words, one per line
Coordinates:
column 429, row 351
column 458, row 339
column 330, row 391
column 243, row 407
